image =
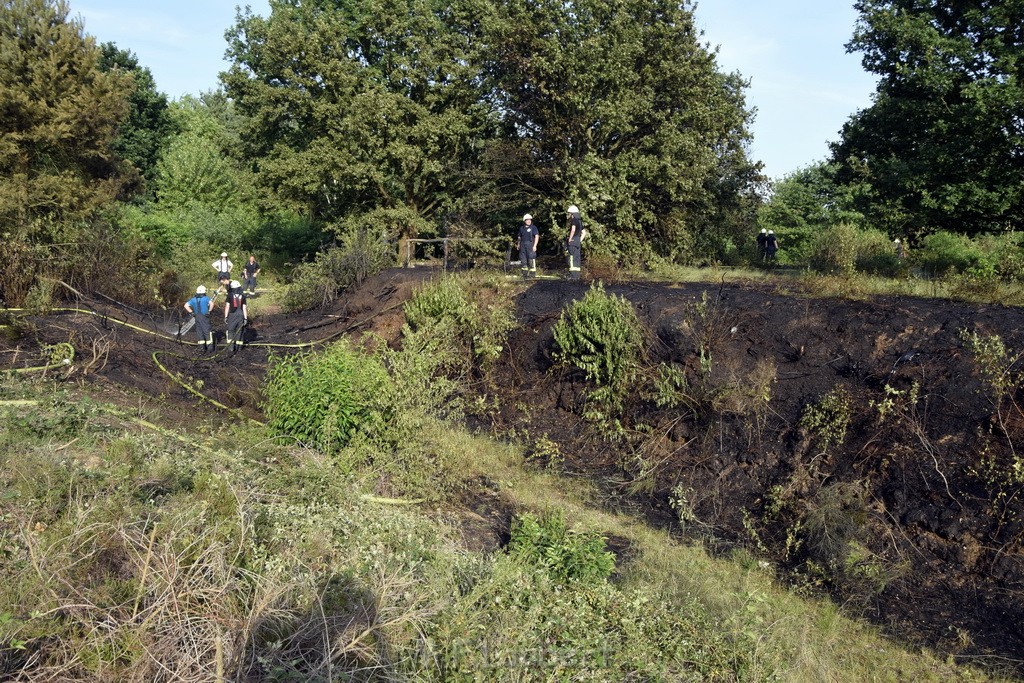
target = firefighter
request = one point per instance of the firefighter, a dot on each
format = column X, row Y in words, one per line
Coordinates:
column 199, row 306
column 526, row 243
column 249, row 272
column 574, row 242
column 762, row 244
column 236, row 313
column 223, row 266
column 771, row 247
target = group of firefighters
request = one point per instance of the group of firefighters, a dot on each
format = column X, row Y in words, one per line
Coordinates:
column 236, row 309
column 529, row 238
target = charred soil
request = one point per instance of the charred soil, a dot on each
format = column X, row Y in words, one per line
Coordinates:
column 911, row 516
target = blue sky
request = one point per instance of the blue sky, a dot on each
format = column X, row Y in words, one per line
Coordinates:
column 802, row 82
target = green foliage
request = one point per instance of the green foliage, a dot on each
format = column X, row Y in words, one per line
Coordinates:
column 804, row 204
column 601, row 335
column 363, row 106
column 318, row 283
column 565, row 554
column 829, row 418
column 938, row 149
column 465, row 113
column 61, row 115
column 476, row 311
column 57, row 168
column 323, row 399
column 942, row 252
column 591, row 90
column 148, row 124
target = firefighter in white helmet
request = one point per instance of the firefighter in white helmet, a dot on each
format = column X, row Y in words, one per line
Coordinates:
column 526, row 243
column 199, row 307
column 574, row 241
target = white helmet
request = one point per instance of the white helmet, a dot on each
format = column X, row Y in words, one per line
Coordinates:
column 235, row 284
column 201, row 289
column 763, row 231
column 527, row 217
column 573, row 209
column 223, row 254
column 771, row 232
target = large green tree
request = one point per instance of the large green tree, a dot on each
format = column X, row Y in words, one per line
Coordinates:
column 360, row 111
column 942, row 145
column 59, row 113
column 148, row 124
column 617, row 106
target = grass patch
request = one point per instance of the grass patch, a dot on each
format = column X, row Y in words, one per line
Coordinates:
column 129, row 557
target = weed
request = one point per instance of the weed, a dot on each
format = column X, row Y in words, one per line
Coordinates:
column 835, row 518
column 601, row 335
column 829, row 418
column 565, row 554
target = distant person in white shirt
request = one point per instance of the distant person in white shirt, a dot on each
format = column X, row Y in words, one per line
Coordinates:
column 223, row 266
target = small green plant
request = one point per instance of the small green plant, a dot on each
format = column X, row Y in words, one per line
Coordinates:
column 474, row 313
column 323, row 398
column 836, row 517
column 565, row 554
column 896, row 403
column 601, row 335
column 680, row 499
column 829, row 418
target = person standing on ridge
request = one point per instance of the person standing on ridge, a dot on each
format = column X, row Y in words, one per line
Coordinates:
column 762, row 244
column 771, row 247
column 574, row 241
column 236, row 314
column 199, row 306
column 249, row 273
column 526, row 243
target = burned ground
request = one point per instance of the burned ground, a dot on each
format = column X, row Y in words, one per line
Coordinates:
column 926, row 517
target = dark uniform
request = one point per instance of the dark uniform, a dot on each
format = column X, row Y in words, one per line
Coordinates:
column 771, row 246
column 199, row 305
column 762, row 243
column 575, row 244
column 249, row 276
column 528, row 234
column 236, row 316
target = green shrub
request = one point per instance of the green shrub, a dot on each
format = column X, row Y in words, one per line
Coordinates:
column 360, row 255
column 474, row 313
column 601, row 335
column 835, row 250
column 942, row 252
column 323, row 398
column 565, row 554
column 875, row 253
column 829, row 418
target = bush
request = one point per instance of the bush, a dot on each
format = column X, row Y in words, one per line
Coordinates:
column 601, row 335
column 565, row 554
column 474, row 313
column 322, row 399
column 942, row 252
column 875, row 254
column 834, row 250
column 828, row 418
column 360, row 255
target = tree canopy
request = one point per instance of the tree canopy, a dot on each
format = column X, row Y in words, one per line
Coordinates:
column 148, row 124
column 60, row 114
column 942, row 146
column 414, row 112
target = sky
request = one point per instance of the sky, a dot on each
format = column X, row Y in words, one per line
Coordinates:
column 802, row 83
